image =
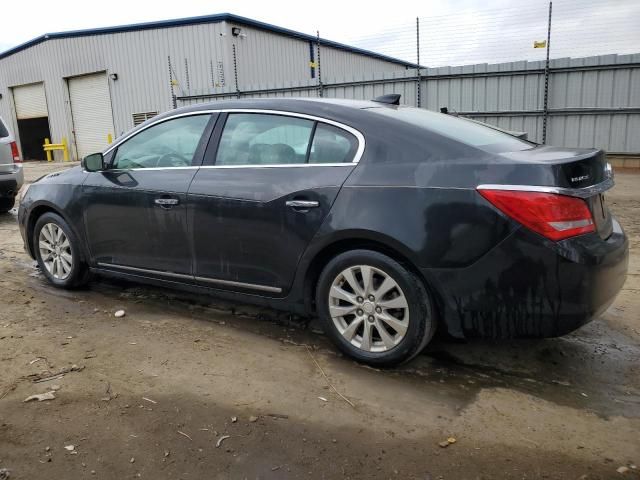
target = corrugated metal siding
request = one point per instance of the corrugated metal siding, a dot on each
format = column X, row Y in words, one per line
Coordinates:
column 584, row 96
column 140, row 59
column 521, row 96
column 511, row 96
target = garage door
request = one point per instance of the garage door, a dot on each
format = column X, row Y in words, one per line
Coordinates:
column 30, row 101
column 91, row 111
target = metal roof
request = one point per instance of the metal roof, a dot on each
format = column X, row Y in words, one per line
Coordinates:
column 179, row 22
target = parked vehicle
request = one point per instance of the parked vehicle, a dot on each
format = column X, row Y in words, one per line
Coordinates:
column 385, row 221
column 11, row 175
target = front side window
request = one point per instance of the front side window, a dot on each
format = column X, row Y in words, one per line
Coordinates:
column 264, row 139
column 168, row 144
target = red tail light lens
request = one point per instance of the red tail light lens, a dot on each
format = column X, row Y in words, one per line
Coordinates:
column 554, row 216
column 14, row 152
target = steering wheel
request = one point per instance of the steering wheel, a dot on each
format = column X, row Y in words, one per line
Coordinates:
column 172, row 159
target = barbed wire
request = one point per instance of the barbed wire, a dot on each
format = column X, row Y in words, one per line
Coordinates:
column 579, row 28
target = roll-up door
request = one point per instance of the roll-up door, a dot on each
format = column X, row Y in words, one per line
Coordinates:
column 91, row 112
column 30, row 101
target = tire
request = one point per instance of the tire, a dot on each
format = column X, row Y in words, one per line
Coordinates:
column 403, row 303
column 6, row 204
column 66, row 268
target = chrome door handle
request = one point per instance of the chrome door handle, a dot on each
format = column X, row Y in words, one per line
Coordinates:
column 166, row 202
column 302, row 204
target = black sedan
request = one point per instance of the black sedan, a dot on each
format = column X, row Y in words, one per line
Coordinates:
column 385, row 221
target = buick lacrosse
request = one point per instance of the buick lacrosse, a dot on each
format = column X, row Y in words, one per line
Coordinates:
column 385, row 221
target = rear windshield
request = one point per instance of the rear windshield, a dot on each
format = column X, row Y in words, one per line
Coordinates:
column 3, row 130
column 459, row 129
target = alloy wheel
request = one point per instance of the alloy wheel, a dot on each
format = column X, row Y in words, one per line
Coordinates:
column 369, row 308
column 55, row 251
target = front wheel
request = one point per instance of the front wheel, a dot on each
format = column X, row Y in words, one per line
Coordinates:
column 58, row 252
column 374, row 309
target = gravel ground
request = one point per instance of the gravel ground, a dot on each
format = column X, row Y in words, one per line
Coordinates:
column 188, row 387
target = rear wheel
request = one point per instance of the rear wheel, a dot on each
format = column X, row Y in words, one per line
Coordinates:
column 6, row 204
column 374, row 309
column 58, row 252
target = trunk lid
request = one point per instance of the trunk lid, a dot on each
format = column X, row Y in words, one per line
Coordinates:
column 584, row 173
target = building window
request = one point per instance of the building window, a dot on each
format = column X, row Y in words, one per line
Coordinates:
column 138, row 118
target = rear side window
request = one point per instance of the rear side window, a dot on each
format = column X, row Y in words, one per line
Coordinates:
column 267, row 139
column 3, row 130
column 332, row 145
column 459, row 129
column 264, row 139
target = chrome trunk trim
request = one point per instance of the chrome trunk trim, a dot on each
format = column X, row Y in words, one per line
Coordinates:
column 584, row 192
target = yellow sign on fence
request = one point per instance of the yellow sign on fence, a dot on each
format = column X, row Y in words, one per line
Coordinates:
column 542, row 44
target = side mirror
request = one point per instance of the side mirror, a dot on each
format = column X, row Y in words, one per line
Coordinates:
column 93, row 162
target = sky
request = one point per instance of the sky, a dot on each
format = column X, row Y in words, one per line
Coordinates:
column 452, row 32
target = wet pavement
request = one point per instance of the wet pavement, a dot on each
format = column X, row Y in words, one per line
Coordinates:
column 550, row 408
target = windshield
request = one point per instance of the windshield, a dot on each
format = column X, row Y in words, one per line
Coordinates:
column 459, row 129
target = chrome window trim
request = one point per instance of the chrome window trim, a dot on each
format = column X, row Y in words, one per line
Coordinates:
column 230, row 283
column 356, row 133
column 282, row 165
column 584, row 192
column 116, row 170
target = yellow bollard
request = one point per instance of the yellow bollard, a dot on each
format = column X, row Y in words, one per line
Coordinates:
column 65, row 150
column 48, row 152
column 50, row 147
column 109, row 138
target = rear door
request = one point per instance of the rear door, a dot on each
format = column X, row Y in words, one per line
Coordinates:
column 263, row 193
column 135, row 211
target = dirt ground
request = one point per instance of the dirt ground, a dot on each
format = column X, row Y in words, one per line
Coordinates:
column 186, row 387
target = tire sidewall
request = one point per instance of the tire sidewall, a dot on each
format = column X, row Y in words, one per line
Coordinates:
column 77, row 268
column 421, row 319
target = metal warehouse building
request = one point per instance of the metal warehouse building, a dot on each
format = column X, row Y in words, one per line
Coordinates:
column 90, row 86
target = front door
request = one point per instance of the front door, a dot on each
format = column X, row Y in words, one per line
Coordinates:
column 135, row 211
column 262, row 195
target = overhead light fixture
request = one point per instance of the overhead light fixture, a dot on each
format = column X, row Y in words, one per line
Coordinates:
column 114, row 76
column 235, row 31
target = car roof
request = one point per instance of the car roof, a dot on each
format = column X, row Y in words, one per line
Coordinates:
column 301, row 105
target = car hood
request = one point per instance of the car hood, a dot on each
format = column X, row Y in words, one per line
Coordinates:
column 74, row 175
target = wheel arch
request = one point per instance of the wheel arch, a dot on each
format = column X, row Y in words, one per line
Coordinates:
column 363, row 241
column 36, row 212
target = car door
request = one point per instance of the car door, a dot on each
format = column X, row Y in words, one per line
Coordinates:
column 135, row 210
column 263, row 192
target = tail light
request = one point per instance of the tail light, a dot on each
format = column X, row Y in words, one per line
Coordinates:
column 14, row 152
column 554, row 216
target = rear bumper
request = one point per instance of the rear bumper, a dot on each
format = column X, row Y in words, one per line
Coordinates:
column 529, row 287
column 11, row 182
